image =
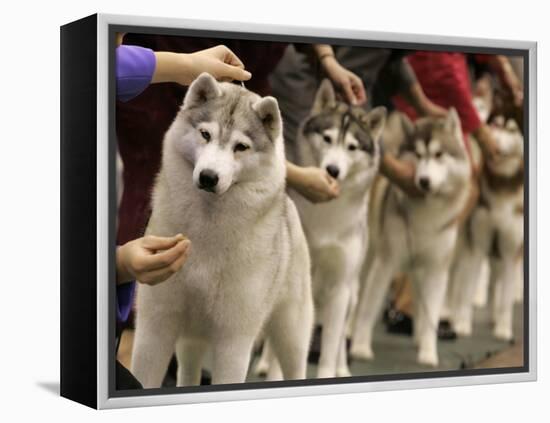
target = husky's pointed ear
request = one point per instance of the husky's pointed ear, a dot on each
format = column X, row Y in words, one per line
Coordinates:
column 512, row 125
column 324, row 98
column 267, row 110
column 452, row 123
column 407, row 126
column 375, row 120
column 203, row 89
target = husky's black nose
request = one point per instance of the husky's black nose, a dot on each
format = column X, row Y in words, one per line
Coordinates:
column 424, row 183
column 208, row 179
column 333, row 171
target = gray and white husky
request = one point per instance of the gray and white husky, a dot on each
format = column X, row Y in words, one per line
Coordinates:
column 222, row 183
column 415, row 234
column 494, row 230
column 343, row 140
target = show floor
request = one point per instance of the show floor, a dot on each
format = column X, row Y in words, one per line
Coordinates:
column 397, row 353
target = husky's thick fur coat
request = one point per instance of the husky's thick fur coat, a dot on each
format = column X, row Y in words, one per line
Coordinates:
column 494, row 230
column 343, row 140
column 415, row 234
column 222, row 183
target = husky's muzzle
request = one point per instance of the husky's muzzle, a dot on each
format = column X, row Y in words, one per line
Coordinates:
column 208, row 179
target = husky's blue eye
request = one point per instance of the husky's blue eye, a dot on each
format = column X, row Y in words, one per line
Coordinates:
column 240, row 147
column 205, row 135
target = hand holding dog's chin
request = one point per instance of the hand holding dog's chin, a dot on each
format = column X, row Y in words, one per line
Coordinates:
column 314, row 184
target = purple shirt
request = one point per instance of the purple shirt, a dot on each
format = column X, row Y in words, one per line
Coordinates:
column 124, row 299
column 135, row 67
column 134, row 70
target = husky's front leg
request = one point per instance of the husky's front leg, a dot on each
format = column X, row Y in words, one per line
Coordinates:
column 431, row 285
column 154, row 344
column 289, row 330
column 334, row 325
column 504, row 302
column 463, row 283
column 231, row 357
column 370, row 304
column 189, row 353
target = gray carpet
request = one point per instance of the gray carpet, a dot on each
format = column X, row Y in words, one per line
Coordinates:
column 397, row 353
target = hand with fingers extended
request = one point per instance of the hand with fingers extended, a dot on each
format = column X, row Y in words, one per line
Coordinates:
column 219, row 61
column 151, row 259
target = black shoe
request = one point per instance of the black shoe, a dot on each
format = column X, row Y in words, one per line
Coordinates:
column 398, row 323
column 445, row 331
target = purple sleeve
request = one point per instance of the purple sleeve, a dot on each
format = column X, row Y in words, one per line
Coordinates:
column 134, row 70
column 124, row 299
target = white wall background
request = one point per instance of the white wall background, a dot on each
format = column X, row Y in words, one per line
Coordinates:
column 29, row 241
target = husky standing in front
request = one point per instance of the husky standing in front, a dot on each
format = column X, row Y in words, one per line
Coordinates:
column 222, row 183
column 416, row 234
column 344, row 140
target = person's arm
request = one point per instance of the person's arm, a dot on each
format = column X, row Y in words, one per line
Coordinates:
column 148, row 260
column 312, row 182
column 416, row 97
column 398, row 77
column 501, row 65
column 182, row 68
column 137, row 67
column 486, row 140
column 346, row 81
column 401, row 173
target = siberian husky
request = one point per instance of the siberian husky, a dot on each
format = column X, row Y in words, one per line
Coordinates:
column 415, row 234
column 343, row 140
column 494, row 230
column 222, row 183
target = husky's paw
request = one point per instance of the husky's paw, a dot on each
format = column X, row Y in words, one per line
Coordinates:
column 427, row 358
column 462, row 327
column 261, row 368
column 343, row 372
column 324, row 372
column 361, row 352
column 503, row 332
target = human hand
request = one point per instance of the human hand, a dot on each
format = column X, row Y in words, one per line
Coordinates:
column 313, row 183
column 429, row 108
column 346, row 81
column 219, row 61
column 151, row 259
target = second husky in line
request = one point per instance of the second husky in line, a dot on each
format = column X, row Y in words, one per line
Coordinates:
column 344, row 140
column 415, row 234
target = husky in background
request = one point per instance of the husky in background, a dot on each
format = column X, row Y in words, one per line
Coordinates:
column 494, row 231
column 222, row 183
column 343, row 140
column 415, row 234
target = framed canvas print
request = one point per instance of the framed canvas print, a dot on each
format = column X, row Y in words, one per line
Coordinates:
column 254, row 211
